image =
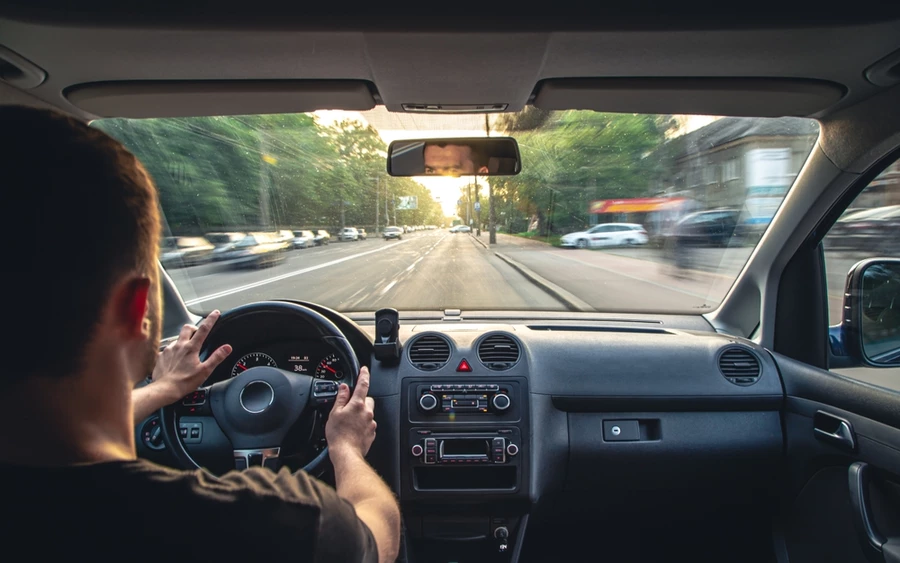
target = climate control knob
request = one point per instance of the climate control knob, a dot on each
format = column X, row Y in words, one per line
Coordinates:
column 501, row 401
column 416, row 450
column 428, row 402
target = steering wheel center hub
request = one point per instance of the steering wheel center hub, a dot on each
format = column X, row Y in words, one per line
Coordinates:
column 257, row 396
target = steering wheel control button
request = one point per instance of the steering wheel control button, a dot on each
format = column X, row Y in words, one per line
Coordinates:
column 498, row 450
column 428, row 402
column 501, row 401
column 621, row 431
column 324, row 391
column 430, row 450
column 195, row 399
column 257, row 396
column 191, row 432
column 417, row 450
column 512, row 449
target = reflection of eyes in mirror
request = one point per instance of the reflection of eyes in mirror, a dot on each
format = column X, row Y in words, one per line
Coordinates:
column 447, row 159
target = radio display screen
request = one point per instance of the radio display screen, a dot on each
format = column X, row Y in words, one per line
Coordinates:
column 471, row 446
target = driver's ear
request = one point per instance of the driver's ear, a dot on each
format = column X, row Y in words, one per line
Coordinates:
column 130, row 306
column 483, row 170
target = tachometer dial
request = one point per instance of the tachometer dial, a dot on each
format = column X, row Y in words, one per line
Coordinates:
column 331, row 367
column 252, row 360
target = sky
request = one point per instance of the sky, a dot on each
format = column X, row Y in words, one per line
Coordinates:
column 394, row 126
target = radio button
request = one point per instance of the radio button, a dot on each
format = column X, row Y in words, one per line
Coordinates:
column 498, row 450
column 512, row 449
column 430, row 450
column 416, row 450
column 428, row 402
column 501, row 402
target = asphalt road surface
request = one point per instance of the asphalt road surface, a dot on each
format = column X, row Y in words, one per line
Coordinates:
column 437, row 270
column 429, row 270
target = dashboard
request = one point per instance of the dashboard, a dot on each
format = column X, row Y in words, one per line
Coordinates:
column 485, row 423
column 307, row 357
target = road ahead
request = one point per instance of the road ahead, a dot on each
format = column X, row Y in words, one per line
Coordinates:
column 430, row 270
column 436, row 270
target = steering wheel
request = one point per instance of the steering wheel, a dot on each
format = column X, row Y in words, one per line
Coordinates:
column 257, row 409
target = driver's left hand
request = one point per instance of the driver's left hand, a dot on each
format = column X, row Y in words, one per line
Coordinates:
column 179, row 369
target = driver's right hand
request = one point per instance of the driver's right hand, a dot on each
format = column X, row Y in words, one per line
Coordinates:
column 351, row 425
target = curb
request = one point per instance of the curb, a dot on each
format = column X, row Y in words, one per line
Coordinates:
column 568, row 299
column 478, row 240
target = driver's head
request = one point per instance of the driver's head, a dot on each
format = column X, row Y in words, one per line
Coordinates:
column 81, row 275
column 445, row 159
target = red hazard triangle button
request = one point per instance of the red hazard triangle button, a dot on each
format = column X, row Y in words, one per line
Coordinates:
column 464, row 366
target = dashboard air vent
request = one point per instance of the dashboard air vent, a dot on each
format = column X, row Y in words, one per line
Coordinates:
column 498, row 352
column 429, row 352
column 739, row 366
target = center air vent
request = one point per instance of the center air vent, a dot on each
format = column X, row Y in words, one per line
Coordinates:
column 739, row 366
column 498, row 352
column 429, row 352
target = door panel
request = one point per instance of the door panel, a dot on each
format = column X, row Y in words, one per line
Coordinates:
column 818, row 513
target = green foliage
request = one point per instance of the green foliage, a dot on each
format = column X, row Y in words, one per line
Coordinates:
column 572, row 158
column 268, row 172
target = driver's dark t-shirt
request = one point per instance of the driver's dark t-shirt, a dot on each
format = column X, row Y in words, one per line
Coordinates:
column 139, row 511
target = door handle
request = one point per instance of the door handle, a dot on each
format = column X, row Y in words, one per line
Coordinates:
column 834, row 429
column 877, row 548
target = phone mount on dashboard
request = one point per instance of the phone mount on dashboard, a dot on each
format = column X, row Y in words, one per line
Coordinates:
column 387, row 336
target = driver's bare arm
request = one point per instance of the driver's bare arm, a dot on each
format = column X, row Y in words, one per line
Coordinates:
column 350, row 431
column 178, row 369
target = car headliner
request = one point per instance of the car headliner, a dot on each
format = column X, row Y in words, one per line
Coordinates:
column 442, row 65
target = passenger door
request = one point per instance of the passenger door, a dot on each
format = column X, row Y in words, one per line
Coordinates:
column 841, row 498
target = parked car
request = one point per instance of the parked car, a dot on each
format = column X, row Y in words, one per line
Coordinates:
column 461, row 229
column 223, row 243
column 393, row 233
column 607, row 234
column 348, row 234
column 874, row 229
column 362, row 234
column 258, row 250
column 304, row 239
column 322, row 237
column 177, row 252
column 286, row 237
column 706, row 228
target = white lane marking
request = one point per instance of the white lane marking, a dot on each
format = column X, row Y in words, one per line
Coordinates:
column 388, row 287
column 302, row 271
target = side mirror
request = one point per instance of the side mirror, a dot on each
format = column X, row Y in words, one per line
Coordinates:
column 869, row 333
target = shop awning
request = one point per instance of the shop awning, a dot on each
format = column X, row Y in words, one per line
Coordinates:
column 635, row 205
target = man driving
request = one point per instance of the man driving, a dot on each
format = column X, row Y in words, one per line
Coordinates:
column 447, row 159
column 87, row 315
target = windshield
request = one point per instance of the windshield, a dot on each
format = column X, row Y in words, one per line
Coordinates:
column 589, row 224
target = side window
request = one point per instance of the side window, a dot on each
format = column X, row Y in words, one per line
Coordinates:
column 868, row 228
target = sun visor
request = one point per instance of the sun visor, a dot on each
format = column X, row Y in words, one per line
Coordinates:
column 228, row 97
column 698, row 96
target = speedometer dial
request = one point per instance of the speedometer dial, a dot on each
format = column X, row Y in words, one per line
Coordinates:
column 330, row 367
column 252, row 360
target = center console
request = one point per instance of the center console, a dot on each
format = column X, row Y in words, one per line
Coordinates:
column 464, row 467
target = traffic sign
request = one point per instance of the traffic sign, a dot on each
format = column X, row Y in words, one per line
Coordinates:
column 477, row 206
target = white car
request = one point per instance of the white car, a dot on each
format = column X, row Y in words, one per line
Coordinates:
column 607, row 234
column 349, row 233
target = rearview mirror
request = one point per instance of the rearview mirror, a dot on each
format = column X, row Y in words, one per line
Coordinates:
column 870, row 328
column 480, row 156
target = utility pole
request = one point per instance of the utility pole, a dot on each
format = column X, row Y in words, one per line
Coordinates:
column 468, row 203
column 477, row 211
column 377, row 208
column 264, row 211
column 492, row 213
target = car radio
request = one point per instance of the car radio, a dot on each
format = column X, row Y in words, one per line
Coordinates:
column 431, row 447
column 468, row 398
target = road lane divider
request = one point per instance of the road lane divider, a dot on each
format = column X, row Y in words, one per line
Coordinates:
column 232, row 291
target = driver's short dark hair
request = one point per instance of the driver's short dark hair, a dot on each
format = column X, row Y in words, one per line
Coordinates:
column 81, row 213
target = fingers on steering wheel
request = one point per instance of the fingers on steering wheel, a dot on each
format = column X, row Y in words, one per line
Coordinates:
column 203, row 329
column 187, row 331
column 362, row 385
